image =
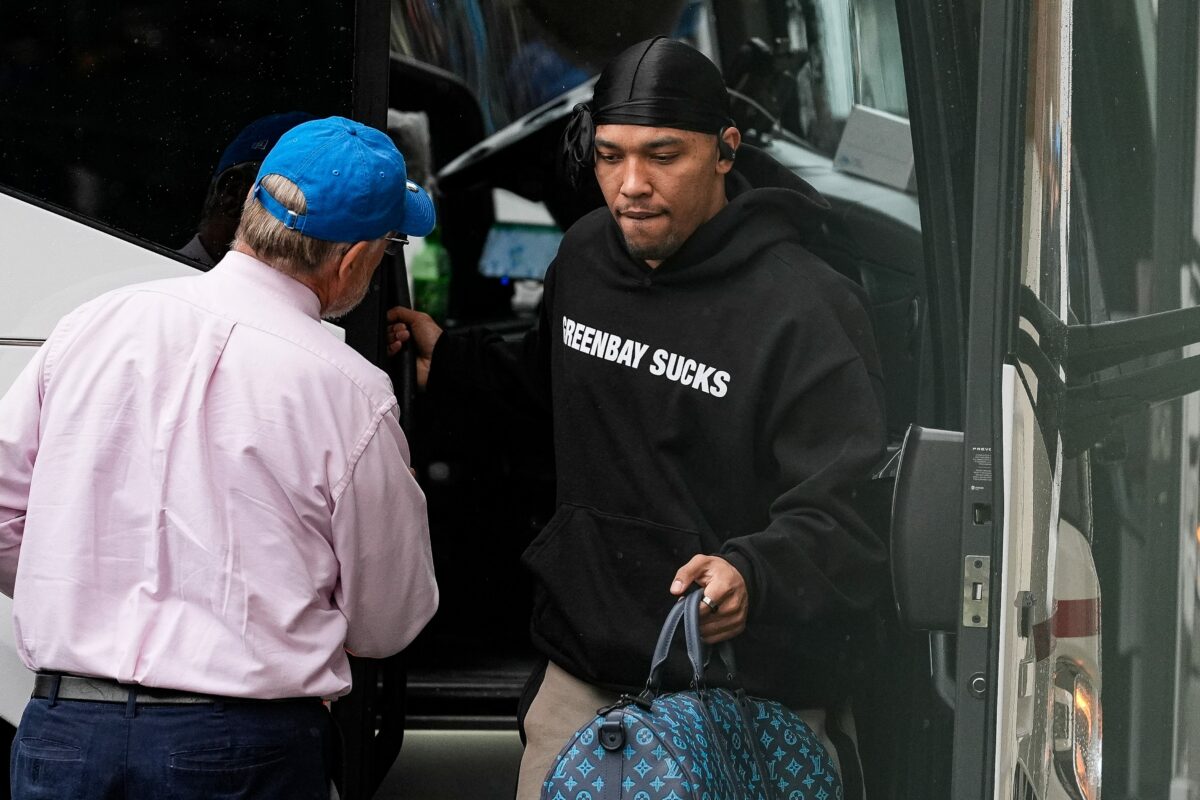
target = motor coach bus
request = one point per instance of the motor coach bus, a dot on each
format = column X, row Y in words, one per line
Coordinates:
column 1014, row 183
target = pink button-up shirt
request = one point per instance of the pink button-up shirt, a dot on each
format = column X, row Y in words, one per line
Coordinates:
column 202, row 489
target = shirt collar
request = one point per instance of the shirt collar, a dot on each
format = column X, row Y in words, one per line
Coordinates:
column 286, row 288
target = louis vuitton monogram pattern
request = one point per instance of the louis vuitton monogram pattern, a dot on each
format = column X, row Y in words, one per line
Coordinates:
column 696, row 746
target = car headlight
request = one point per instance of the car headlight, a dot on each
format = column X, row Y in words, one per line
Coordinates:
column 1078, row 732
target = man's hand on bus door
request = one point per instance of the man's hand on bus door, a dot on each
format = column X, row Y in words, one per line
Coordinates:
column 726, row 600
column 407, row 325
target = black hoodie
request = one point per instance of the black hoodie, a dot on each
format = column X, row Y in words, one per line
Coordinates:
column 725, row 402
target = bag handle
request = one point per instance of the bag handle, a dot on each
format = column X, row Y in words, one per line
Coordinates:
column 691, row 626
column 687, row 609
column 695, row 643
column 663, row 648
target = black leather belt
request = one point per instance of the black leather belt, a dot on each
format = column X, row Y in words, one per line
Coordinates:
column 102, row 690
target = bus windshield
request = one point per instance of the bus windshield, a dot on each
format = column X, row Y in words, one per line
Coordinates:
column 516, row 56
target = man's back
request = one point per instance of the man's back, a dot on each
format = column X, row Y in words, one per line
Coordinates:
column 205, row 501
column 211, row 465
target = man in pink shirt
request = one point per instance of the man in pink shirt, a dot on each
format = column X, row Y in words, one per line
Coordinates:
column 205, row 501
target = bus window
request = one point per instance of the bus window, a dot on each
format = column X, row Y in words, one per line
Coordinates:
column 836, row 54
column 1135, row 133
column 875, row 48
column 120, row 113
column 517, row 56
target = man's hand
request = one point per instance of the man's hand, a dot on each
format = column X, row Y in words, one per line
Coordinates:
column 724, row 586
column 408, row 325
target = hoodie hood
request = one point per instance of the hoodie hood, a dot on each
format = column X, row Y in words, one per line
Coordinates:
column 754, row 169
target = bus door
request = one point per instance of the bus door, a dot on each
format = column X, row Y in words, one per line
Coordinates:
column 1068, row 410
column 1012, row 454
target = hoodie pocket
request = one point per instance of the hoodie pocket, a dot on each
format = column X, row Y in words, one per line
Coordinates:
column 604, row 589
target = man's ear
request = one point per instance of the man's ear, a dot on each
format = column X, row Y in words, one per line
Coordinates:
column 356, row 252
column 728, row 142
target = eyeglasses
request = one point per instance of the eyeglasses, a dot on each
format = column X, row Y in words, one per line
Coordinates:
column 395, row 245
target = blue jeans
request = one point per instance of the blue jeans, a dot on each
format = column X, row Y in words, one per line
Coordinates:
column 74, row 750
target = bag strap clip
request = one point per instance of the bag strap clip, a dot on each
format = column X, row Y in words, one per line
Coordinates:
column 612, row 732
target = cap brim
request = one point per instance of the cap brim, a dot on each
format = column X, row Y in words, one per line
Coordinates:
column 419, row 216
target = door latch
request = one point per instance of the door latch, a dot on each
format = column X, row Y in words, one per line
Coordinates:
column 977, row 577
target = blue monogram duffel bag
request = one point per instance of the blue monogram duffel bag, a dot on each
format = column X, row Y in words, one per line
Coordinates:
column 704, row 744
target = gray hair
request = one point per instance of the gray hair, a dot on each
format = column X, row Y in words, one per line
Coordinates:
column 285, row 249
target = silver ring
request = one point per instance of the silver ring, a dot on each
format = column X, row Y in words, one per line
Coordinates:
column 709, row 602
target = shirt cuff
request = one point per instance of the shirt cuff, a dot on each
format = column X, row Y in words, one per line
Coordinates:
column 445, row 357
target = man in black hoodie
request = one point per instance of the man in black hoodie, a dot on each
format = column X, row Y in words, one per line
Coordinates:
column 715, row 395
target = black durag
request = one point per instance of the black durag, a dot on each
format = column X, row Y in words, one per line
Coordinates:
column 659, row 83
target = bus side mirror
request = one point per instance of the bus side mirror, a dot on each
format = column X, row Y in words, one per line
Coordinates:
column 926, row 518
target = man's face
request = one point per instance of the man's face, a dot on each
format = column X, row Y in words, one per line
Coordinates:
column 660, row 184
column 353, row 285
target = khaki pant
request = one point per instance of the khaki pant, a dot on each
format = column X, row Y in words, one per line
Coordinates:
column 564, row 704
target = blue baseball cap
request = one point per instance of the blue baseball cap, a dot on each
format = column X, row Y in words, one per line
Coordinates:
column 354, row 180
column 254, row 141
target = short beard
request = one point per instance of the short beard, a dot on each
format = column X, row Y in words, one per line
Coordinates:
column 345, row 306
column 659, row 251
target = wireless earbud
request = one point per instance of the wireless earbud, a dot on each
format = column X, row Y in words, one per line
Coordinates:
column 724, row 151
